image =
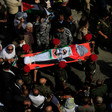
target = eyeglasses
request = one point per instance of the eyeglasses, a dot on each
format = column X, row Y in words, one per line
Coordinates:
column 9, row 49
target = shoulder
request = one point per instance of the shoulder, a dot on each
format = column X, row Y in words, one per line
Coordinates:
column 67, row 31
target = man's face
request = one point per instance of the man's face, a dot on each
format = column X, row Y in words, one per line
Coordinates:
column 64, row 51
column 61, row 18
column 29, row 29
column 10, row 49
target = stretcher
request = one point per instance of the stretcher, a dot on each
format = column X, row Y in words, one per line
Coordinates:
column 51, row 57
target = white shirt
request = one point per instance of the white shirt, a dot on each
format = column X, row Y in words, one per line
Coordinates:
column 36, row 100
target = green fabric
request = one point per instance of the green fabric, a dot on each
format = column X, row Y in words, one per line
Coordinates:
column 56, row 1
column 43, row 90
column 99, row 91
column 27, row 79
column 30, row 11
column 104, row 26
column 14, row 63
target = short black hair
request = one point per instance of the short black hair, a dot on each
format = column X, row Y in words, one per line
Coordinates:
column 86, row 100
column 7, row 65
column 99, row 82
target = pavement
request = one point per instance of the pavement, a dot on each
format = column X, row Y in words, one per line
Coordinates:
column 77, row 76
column 104, row 62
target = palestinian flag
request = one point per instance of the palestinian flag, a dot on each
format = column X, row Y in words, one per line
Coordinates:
column 51, row 57
column 26, row 6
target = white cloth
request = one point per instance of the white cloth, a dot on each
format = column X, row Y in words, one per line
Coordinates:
column 39, row 57
column 6, row 55
column 22, row 44
column 46, row 56
column 10, row 72
column 36, row 100
column 1, row 104
column 63, row 109
column 68, row 110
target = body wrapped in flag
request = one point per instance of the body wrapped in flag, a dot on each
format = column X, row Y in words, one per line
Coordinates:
column 69, row 54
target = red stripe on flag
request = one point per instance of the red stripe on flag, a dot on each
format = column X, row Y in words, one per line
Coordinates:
column 26, row 6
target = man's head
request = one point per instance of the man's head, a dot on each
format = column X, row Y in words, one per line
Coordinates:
column 99, row 99
column 60, row 29
column 61, row 17
column 93, row 57
column 42, row 81
column 27, row 103
column 25, row 92
column 9, row 49
column 7, row 65
column 62, row 64
column 56, row 42
column 35, row 92
column 21, row 38
column 29, row 27
column 19, row 82
column 48, row 109
column 99, row 83
column 64, row 51
column 85, row 100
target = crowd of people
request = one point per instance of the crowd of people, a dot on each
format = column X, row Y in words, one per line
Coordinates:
column 44, row 25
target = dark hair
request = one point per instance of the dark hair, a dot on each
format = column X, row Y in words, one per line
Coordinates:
column 60, row 26
column 85, row 100
column 67, row 91
column 59, row 15
column 99, row 82
column 27, row 109
column 7, row 65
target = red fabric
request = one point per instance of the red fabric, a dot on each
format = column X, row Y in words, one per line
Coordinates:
column 26, row 6
column 26, row 68
column 93, row 57
column 88, row 37
column 62, row 64
column 26, row 47
column 75, row 56
column 56, row 41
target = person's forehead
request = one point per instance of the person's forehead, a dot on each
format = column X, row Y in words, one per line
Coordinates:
column 28, row 27
column 10, row 46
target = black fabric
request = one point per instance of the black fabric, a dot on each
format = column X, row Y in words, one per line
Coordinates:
column 7, row 80
column 63, row 10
